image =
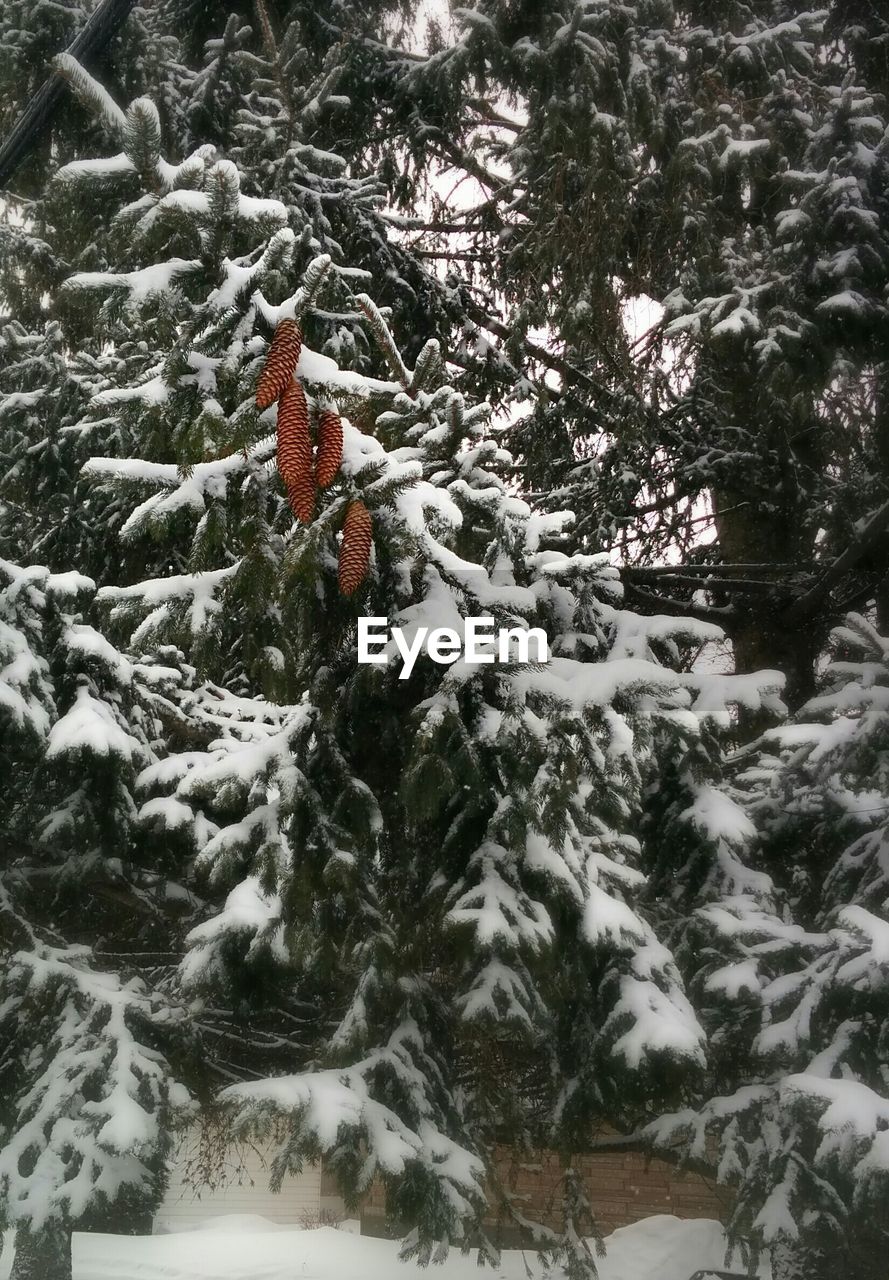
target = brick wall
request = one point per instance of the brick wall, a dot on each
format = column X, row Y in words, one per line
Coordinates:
column 622, row 1189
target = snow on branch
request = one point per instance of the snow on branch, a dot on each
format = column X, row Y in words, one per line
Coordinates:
column 198, row 592
column 330, row 1109
column 141, row 284
column 92, row 94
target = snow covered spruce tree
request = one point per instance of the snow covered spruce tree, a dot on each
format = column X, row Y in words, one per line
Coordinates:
column 803, row 1137
column 440, row 859
column 729, row 163
column 88, row 1033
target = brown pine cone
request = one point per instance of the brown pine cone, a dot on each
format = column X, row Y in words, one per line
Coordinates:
column 301, row 497
column 280, row 363
column 330, row 447
column 294, row 455
column 355, row 548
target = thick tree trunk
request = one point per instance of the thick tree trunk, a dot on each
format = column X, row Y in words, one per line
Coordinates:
column 881, row 432
column 762, row 518
column 761, row 640
column 42, row 1255
column 883, row 607
column 761, row 637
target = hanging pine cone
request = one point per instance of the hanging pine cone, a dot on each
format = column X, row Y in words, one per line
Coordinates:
column 280, row 363
column 355, row 548
column 301, row 497
column 294, row 443
column 294, row 455
column 330, row 447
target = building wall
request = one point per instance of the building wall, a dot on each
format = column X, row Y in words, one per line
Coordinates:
column 621, row 1188
column 238, row 1184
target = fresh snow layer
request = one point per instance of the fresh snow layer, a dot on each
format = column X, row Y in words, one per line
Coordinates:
column 239, row 1248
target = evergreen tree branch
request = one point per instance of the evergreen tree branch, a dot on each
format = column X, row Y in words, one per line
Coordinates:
column 807, row 605
column 721, row 614
column 552, row 361
column 421, row 224
column 715, row 570
column 640, row 1143
column 100, row 29
column 453, row 155
column 700, row 582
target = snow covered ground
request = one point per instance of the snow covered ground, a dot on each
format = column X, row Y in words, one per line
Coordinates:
column 659, row 1248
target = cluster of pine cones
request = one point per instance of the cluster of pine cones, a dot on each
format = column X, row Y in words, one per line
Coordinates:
column 301, row 475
